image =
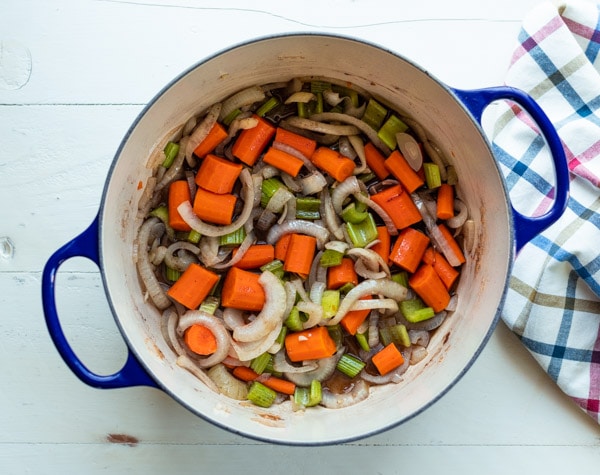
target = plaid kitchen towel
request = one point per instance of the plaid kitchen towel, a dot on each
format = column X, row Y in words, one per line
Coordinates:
column 553, row 301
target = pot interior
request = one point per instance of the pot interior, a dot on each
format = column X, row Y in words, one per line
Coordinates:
column 395, row 82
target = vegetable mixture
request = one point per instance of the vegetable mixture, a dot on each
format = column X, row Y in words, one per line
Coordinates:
column 302, row 241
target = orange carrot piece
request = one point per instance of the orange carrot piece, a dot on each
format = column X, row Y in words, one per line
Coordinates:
column 400, row 168
column 444, row 270
column 398, row 204
column 355, row 318
column 452, row 243
column 282, row 386
column 217, row 174
column 214, row 208
column 383, row 246
column 445, row 201
column 342, row 274
column 300, row 254
column 387, row 359
column 303, row 144
column 245, row 373
column 409, row 248
column 310, row 344
column 251, row 142
column 215, row 136
column 193, row 286
column 428, row 285
column 200, row 340
column 257, row 255
column 179, row 191
column 376, row 161
column 242, row 290
column 283, row 161
column 281, row 247
column 332, row 162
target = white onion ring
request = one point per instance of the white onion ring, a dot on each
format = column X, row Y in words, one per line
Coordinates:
column 329, row 215
column 314, row 311
column 248, row 241
column 281, row 364
column 321, row 127
column 388, row 304
column 359, row 147
column 246, row 351
column 462, row 213
column 298, row 226
column 241, row 99
column 324, row 370
column 187, row 363
column 372, row 259
column 179, row 263
column 216, row 326
column 346, row 188
column 389, row 224
column 148, row 229
column 202, row 130
column 272, row 313
column 358, row 393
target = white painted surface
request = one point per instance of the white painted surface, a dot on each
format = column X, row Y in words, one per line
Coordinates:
column 73, row 75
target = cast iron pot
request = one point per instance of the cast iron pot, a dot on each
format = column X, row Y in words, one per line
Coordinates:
column 452, row 118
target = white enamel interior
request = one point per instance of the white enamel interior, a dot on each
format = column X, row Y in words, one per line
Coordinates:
column 392, row 80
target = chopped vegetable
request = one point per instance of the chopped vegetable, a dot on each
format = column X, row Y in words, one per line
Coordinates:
column 311, row 344
column 300, row 254
column 342, row 274
column 383, row 246
column 399, row 167
column 363, row 233
column 333, row 162
column 283, row 161
column 350, row 365
column 251, row 142
column 392, row 126
column 242, row 290
column 409, row 248
column 445, row 202
column 200, row 340
column 444, row 270
column 427, row 284
column 304, row 145
column 217, row 174
column 261, row 395
column 179, row 191
column 256, row 256
column 214, row 208
column 355, row 318
column 376, row 161
column 399, row 205
column 432, row 175
column 215, row 136
column 387, row 359
column 193, row 286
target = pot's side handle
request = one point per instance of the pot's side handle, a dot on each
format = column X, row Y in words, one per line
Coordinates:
column 526, row 228
column 84, row 245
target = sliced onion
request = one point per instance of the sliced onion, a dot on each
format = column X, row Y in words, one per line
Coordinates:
column 359, row 147
column 321, row 127
column 385, row 287
column 246, row 351
column 271, row 314
column 329, row 215
column 388, row 304
column 394, row 376
column 187, row 363
column 459, row 219
column 202, row 130
column 281, row 364
column 313, row 183
column 241, row 99
column 233, row 318
column 298, row 226
column 373, row 333
column 359, row 124
column 389, row 224
column 187, row 213
column 419, row 337
column 372, row 259
column 346, row 148
column 339, row 246
column 314, row 311
column 300, row 96
column 346, row 188
column 176, row 168
column 324, row 370
column 227, row 384
column 150, row 229
column 248, row 241
column 410, row 150
column 418, row 354
column 295, row 153
column 215, row 325
column 469, row 236
column 358, row 393
column 279, row 199
column 177, row 262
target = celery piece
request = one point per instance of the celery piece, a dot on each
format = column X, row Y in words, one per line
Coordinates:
column 269, row 369
column 260, row 395
column 210, row 304
column 317, row 86
column 171, row 150
column 400, row 335
column 275, row 266
column 451, row 176
column 414, row 310
column 267, row 106
column 347, row 287
column 387, row 132
column 330, row 258
column 319, row 106
column 401, row 278
column 385, row 336
column 364, row 232
column 351, row 214
column 350, row 365
column 308, row 207
column 347, row 92
column 363, row 341
column 172, row 274
column 374, row 114
column 194, row 237
column 294, row 320
column 234, row 238
column 315, row 392
column 330, row 301
column 301, row 396
column 302, row 110
column 336, row 333
column 268, row 189
column 432, row 175
column 228, row 119
column 260, row 363
column 281, row 337
column 367, row 177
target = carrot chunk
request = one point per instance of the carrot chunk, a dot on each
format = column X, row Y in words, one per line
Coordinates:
column 283, row 161
column 303, row 144
column 376, row 161
column 398, row 204
column 193, row 286
column 455, row 248
column 310, row 344
column 179, row 191
column 383, row 246
column 214, row 208
column 409, row 248
column 387, row 359
column 281, row 247
column 251, row 142
column 355, row 318
column 444, row 270
column 257, row 255
column 200, row 340
column 428, row 285
column 341, row 274
column 242, row 290
column 332, row 162
column 215, row 136
column 403, row 172
column 445, row 201
column 300, row 254
column 217, row 174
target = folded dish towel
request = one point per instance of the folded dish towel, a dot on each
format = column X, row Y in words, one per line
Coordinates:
column 553, row 302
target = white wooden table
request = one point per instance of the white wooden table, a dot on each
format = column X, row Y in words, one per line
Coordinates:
column 73, row 75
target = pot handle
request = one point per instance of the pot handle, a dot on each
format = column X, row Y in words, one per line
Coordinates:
column 526, row 228
column 132, row 373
